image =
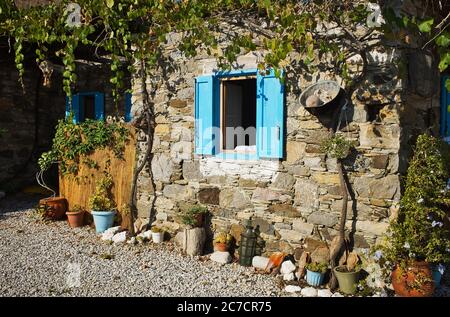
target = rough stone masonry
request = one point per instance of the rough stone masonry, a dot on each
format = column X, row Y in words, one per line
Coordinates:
column 296, row 200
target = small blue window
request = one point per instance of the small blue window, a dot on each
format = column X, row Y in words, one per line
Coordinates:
column 239, row 115
column 86, row 105
column 445, row 109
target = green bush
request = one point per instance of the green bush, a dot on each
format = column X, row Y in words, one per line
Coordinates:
column 190, row 217
column 420, row 231
column 337, row 146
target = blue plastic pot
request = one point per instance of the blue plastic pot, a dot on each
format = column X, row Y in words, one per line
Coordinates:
column 436, row 276
column 314, row 278
column 103, row 220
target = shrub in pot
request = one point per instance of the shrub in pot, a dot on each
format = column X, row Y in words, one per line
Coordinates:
column 157, row 235
column 75, row 217
column 223, row 241
column 419, row 236
column 101, row 204
column 195, row 216
column 315, row 273
column 56, row 207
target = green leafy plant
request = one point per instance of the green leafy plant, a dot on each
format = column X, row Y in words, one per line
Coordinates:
column 73, row 142
column 317, row 267
column 337, row 146
column 223, row 238
column 102, row 200
column 157, row 230
column 77, row 208
column 190, row 218
column 2, row 132
column 421, row 231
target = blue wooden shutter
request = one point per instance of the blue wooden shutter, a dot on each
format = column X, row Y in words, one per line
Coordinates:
column 445, row 109
column 270, row 116
column 205, row 116
column 75, row 108
column 99, row 106
column 128, row 107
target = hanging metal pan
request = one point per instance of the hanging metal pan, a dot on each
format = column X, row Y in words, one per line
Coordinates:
column 320, row 94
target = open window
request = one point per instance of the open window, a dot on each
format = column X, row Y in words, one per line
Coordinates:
column 238, row 114
column 86, row 105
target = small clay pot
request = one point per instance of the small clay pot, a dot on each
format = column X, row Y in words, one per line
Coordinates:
column 221, row 247
column 407, row 283
column 75, row 218
column 56, row 207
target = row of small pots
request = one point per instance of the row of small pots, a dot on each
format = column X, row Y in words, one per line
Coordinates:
column 347, row 280
column 404, row 282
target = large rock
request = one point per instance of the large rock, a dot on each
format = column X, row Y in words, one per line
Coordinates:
column 285, row 210
column 294, row 151
column 324, row 293
column 292, row 289
column 309, row 292
column 234, row 198
column 191, row 170
column 236, row 232
column 265, row 195
column 120, row 237
column 264, row 226
column 303, row 227
column 306, row 195
column 379, row 136
column 260, row 262
column 321, row 255
column 383, row 188
column 283, row 181
column 287, row 267
column 209, row 196
column 162, row 168
column 177, row 192
column 322, row 218
column 289, row 276
column 221, row 257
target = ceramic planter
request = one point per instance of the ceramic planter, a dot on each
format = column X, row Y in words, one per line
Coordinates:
column 75, row 218
column 103, row 220
column 348, row 281
column 437, row 276
column 56, row 207
column 157, row 237
column 414, row 281
column 222, row 247
column 314, row 278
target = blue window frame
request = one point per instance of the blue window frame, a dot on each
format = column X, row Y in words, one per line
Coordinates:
column 269, row 115
column 445, row 109
column 86, row 105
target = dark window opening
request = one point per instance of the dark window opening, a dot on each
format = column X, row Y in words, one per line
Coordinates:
column 88, row 107
column 374, row 112
column 238, row 104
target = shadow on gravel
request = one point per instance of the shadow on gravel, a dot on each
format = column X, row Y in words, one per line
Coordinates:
column 18, row 202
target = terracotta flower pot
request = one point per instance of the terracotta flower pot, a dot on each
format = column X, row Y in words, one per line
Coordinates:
column 415, row 281
column 75, row 218
column 221, row 247
column 57, row 207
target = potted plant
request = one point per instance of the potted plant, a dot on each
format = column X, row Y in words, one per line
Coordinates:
column 348, row 274
column 195, row 216
column 419, row 236
column 157, row 235
column 222, row 241
column 315, row 273
column 56, row 207
column 75, row 217
column 101, row 204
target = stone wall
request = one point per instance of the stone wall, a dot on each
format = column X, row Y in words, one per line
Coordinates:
column 296, row 200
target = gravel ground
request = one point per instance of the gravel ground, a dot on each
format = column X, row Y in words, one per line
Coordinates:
column 39, row 259
column 35, row 259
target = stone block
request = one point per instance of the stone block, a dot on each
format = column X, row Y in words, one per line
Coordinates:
column 209, row 196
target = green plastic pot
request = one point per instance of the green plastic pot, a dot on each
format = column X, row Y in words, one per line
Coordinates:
column 348, row 281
